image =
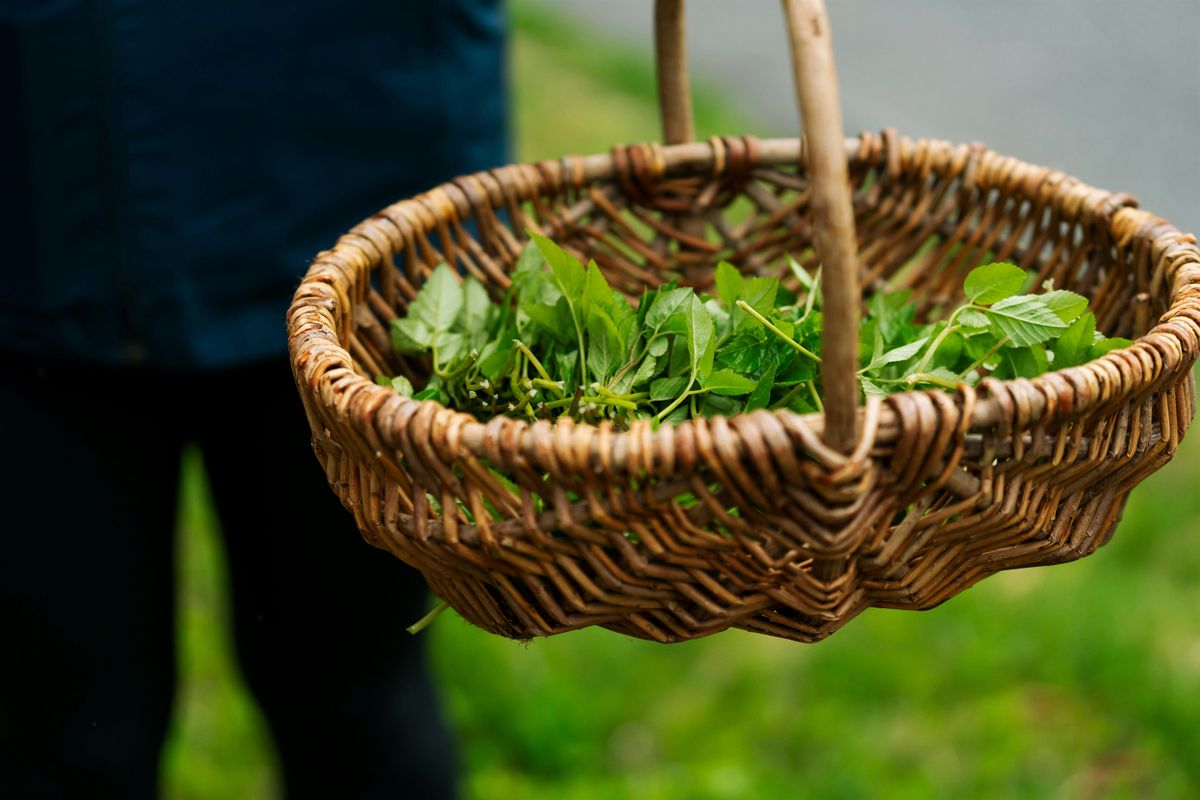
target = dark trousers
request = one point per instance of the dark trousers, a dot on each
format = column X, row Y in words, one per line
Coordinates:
column 88, row 484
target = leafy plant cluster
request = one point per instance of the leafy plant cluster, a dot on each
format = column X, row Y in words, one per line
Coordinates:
column 562, row 342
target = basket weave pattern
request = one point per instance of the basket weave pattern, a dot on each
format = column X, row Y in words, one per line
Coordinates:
column 750, row 522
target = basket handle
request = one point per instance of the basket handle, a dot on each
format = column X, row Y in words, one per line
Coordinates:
column 817, row 96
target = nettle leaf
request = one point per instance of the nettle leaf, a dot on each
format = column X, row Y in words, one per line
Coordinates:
column 1025, row 320
column 678, row 362
column 658, row 346
column 494, row 358
column 871, row 389
column 714, row 406
column 643, row 306
column 567, row 271
column 667, row 388
column 476, row 305
column 431, row 393
column 743, row 352
column 943, row 374
column 720, row 317
column 759, row 294
column 667, row 304
column 1106, row 346
column 1027, row 362
column 1071, row 348
column 677, row 416
column 1066, row 305
column 729, row 283
column 700, row 338
column 410, row 337
column 760, row 396
column 799, row 370
column 596, row 291
column 554, row 319
column 899, row 354
column 450, row 347
column 606, row 349
column 973, row 319
column 950, row 350
column 439, row 302
column 725, row 382
column 401, row 384
column 566, row 363
column 645, row 371
column 992, row 283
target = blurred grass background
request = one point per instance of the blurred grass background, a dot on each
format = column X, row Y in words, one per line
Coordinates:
column 1076, row 681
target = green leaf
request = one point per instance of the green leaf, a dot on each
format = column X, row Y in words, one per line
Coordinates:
column 401, row 384
column 700, row 331
column 992, row 283
column 596, row 291
column 899, row 354
column 667, row 388
column 476, row 305
column 666, row 305
column 1025, row 320
column 606, row 350
column 729, row 283
column 438, row 303
column 410, row 337
column 1071, row 348
column 567, row 271
column 972, row 319
column 871, row 389
column 714, row 405
column 451, row 346
column 554, row 320
column 944, row 375
column 760, row 397
column 806, row 281
column 494, row 358
column 759, row 294
column 1027, row 362
column 645, row 371
column 744, row 351
column 799, row 370
column 1106, row 346
column 1066, row 305
column 725, row 382
column 430, row 393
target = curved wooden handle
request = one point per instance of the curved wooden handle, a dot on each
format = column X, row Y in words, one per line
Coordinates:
column 833, row 212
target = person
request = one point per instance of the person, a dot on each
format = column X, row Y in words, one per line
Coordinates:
column 170, row 169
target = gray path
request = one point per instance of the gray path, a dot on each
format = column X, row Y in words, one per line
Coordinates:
column 1107, row 90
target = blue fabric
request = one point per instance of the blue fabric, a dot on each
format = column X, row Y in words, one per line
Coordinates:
column 171, row 168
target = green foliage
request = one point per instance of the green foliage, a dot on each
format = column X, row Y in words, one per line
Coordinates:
column 576, row 347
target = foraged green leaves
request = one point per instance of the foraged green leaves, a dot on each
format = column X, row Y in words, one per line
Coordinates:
column 562, row 341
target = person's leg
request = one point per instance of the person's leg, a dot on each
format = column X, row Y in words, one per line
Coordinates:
column 320, row 615
column 86, row 582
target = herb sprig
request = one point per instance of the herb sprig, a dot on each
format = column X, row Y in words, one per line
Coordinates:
column 562, row 342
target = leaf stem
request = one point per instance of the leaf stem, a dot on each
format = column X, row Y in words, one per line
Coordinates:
column 660, row 416
column 557, row 385
column 951, row 327
column 983, row 358
column 749, row 309
column 424, row 621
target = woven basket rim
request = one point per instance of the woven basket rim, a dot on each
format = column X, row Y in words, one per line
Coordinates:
column 1051, row 394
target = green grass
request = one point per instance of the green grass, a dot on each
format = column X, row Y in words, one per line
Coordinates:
column 1076, row 681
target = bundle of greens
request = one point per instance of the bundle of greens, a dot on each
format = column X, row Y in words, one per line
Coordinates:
column 562, row 342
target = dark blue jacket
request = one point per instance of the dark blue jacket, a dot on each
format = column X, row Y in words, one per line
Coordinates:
column 170, row 167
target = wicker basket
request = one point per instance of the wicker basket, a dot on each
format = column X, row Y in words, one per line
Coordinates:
column 797, row 522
